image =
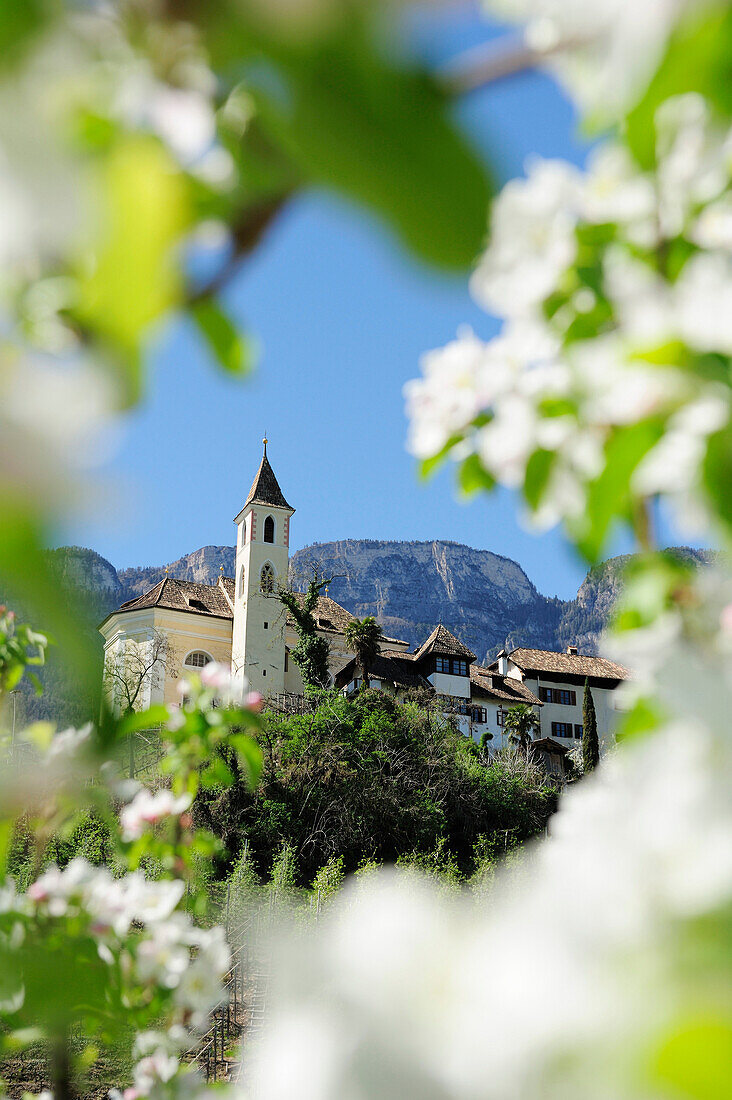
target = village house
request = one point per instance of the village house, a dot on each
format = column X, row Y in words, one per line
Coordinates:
column 241, row 623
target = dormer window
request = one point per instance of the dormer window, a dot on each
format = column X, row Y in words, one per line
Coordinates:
column 269, row 529
column 197, row 605
column 452, row 666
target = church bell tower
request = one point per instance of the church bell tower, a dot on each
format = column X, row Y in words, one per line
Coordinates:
column 262, row 559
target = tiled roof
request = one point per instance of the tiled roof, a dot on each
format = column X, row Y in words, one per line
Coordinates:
column 574, row 664
column 265, row 487
column 504, row 687
column 175, row 595
column 548, row 744
column 328, row 614
column 441, row 641
column 391, row 670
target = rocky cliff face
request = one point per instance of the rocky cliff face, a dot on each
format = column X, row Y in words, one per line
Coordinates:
column 410, row 586
column 202, row 567
column 78, row 567
column 486, row 600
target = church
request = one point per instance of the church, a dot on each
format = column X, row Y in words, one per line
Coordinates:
column 178, row 627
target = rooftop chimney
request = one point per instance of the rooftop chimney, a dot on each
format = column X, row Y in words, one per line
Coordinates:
column 572, row 650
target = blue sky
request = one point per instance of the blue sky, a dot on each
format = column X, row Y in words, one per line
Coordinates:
column 341, row 316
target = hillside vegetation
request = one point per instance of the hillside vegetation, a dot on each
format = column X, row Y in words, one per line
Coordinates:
column 374, row 780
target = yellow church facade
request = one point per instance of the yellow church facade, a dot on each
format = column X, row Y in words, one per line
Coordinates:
column 179, row 626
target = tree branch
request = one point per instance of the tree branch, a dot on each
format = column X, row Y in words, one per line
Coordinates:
column 493, row 61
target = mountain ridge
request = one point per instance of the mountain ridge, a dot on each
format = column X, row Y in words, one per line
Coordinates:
column 486, row 599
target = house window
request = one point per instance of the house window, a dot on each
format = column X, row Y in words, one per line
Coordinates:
column 267, row 579
column 480, row 715
column 269, row 529
column 500, row 718
column 558, row 695
column 442, row 664
column 578, row 733
column 266, row 626
column 561, row 729
column 197, row 659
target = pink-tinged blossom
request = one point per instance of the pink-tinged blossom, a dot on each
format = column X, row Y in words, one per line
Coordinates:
column 148, row 809
column 254, row 701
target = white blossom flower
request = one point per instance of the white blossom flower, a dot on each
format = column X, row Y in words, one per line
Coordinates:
column 56, row 889
column 713, row 227
column 605, row 52
column 199, row 990
column 694, row 163
column 147, row 808
column 154, row 1069
column 164, row 955
column 703, row 299
column 532, row 241
column 67, row 743
column 408, row 993
column 41, row 452
column 153, row 901
column 614, row 190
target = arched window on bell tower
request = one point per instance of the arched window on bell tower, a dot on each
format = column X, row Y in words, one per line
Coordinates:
column 267, row 579
column 269, row 529
column 242, row 578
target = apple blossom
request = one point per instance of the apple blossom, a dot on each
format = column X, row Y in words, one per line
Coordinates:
column 148, row 809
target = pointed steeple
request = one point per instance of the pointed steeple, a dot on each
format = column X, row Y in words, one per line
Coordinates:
column 265, row 487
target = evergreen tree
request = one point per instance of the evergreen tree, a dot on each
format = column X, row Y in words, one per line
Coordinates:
column 590, row 743
column 312, row 650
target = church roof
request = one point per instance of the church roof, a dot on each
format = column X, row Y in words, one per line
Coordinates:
column 175, row 595
column 328, row 614
column 265, row 487
column 441, row 641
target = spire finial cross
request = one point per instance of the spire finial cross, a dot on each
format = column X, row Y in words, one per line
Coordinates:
column 265, row 441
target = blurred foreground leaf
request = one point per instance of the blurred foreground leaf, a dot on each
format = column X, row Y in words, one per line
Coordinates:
column 698, row 59
column 230, row 347
column 134, row 276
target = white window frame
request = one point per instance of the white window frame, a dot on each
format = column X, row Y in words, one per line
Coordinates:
column 196, row 668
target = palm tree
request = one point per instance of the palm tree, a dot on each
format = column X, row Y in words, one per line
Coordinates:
column 363, row 637
column 521, row 723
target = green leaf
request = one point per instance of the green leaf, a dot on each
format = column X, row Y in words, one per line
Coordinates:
column 148, row 719
column 429, row 465
column 698, row 59
column 645, row 717
column 381, row 134
column 229, row 346
column 250, row 756
column 538, row 472
column 134, row 275
column 38, row 686
column 717, row 474
column 695, row 1062
column 473, row 477
column 609, row 495
column 19, row 23
column 216, row 774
